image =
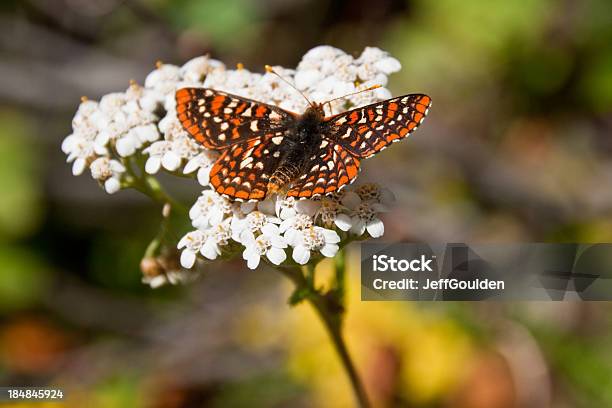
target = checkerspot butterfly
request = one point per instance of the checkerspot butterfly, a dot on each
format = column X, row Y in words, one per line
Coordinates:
column 265, row 149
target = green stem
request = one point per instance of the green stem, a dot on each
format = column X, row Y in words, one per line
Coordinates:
column 330, row 312
column 339, row 269
column 161, row 234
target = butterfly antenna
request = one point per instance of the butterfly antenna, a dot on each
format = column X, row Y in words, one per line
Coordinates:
column 272, row 71
column 371, row 88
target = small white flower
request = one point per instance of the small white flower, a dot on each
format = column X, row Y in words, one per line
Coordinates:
column 209, row 210
column 330, row 214
column 270, row 243
column 169, row 154
column 251, row 224
column 217, row 236
column 289, row 207
column 315, row 239
column 108, row 172
column 364, row 216
column 160, row 152
column 196, row 69
column 291, row 227
column 191, row 244
column 163, row 80
column 81, row 151
column 127, row 145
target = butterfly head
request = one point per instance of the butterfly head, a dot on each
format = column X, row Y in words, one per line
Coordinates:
column 315, row 111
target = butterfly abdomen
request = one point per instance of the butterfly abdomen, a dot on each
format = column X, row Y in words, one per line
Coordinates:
column 283, row 176
column 300, row 144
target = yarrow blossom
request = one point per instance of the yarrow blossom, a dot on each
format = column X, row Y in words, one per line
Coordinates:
column 129, row 136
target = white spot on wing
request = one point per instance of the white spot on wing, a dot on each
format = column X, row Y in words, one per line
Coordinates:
column 246, row 162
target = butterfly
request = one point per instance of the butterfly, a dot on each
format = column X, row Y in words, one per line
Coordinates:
column 266, row 150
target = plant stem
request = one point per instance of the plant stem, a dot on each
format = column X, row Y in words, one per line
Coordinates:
column 339, row 269
column 330, row 312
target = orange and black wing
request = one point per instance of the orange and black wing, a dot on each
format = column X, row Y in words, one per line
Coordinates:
column 331, row 168
column 365, row 131
column 244, row 169
column 218, row 119
column 354, row 135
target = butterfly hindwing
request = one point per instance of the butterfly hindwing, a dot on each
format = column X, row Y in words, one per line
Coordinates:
column 367, row 130
column 218, row 119
column 328, row 171
column 244, row 169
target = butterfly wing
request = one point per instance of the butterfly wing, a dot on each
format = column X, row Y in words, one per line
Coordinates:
column 358, row 134
column 365, row 131
column 218, row 119
column 244, row 169
column 329, row 170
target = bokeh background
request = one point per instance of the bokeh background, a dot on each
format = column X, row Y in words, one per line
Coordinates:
column 517, row 148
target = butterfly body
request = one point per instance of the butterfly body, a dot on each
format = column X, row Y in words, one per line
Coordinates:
column 266, row 150
column 300, row 145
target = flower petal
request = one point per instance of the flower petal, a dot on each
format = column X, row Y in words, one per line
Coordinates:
column 188, row 258
column 329, row 250
column 253, row 261
column 78, row 167
column 152, row 165
column 343, row 222
column 270, row 230
column 171, row 161
column 204, row 175
column 375, row 228
column 267, row 206
column 278, row 241
column 358, row 227
column 191, row 166
column 301, row 255
column 210, row 249
column 249, row 252
column 331, row 236
column 276, row 255
column 351, row 200
column 112, row 185
column 247, row 237
column 308, row 207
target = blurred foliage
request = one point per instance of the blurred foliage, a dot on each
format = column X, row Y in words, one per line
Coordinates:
column 24, row 278
column 221, row 22
column 20, row 207
column 516, row 148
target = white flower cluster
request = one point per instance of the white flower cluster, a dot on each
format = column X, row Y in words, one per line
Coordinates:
column 139, row 127
column 114, row 128
column 271, row 228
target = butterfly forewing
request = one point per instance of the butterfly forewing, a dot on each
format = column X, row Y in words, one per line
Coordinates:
column 367, row 130
column 219, row 119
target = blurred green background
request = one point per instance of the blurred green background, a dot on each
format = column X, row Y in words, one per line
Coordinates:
column 517, row 148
